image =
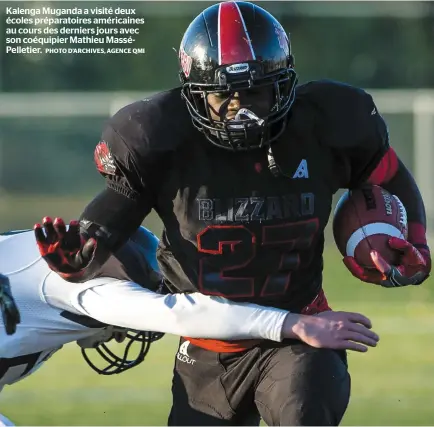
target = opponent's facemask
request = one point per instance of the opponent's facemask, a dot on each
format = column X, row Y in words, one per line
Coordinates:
column 136, row 345
column 231, row 47
column 114, row 350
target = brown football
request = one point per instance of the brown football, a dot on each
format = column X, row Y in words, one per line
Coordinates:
column 364, row 220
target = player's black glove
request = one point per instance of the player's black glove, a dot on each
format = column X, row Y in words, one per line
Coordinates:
column 10, row 313
column 65, row 251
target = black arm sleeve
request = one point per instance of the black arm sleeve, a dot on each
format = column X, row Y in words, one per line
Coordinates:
column 405, row 187
column 132, row 171
column 117, row 214
column 111, row 219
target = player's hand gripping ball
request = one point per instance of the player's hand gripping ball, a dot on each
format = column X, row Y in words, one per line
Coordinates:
column 370, row 231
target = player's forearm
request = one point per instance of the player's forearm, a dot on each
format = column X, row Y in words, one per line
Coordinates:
column 110, row 218
column 397, row 179
column 194, row 315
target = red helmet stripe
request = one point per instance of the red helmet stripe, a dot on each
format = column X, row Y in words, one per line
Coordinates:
column 233, row 39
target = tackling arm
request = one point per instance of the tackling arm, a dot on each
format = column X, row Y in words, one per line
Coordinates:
column 128, row 305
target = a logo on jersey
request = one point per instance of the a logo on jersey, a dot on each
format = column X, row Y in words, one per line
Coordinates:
column 183, row 355
column 237, row 68
column 185, row 61
column 104, row 160
column 255, row 208
column 302, row 171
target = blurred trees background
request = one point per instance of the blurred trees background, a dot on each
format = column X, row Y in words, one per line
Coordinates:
column 368, row 44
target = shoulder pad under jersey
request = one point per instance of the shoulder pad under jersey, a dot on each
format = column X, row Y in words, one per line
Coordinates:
column 345, row 116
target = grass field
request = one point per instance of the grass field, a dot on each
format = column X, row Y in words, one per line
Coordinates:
column 392, row 384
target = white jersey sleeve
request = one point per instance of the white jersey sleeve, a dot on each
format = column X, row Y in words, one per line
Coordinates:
column 44, row 328
column 128, row 305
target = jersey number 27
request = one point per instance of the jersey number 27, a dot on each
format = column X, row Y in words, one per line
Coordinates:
column 241, row 267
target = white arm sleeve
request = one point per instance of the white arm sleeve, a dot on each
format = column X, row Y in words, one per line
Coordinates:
column 128, row 305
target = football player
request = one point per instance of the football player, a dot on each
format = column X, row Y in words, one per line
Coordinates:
column 241, row 165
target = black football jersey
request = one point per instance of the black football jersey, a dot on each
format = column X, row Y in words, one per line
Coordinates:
column 232, row 228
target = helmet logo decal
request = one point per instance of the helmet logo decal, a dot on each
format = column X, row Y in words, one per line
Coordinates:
column 185, row 60
column 237, row 68
column 234, row 44
column 281, row 37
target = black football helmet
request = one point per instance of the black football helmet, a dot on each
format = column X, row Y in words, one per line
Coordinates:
column 234, row 46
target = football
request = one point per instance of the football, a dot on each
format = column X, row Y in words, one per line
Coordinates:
column 364, row 220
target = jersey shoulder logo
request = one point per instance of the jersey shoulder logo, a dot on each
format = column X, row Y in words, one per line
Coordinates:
column 302, row 170
column 104, row 160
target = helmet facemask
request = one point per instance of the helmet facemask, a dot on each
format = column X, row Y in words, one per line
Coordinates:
column 247, row 130
column 114, row 358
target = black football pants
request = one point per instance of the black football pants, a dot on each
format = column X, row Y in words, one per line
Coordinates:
column 286, row 383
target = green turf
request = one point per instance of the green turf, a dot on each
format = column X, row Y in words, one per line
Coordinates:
column 392, row 384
